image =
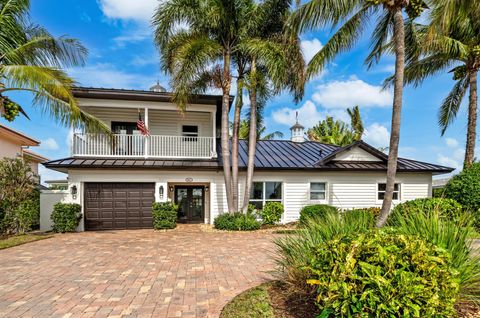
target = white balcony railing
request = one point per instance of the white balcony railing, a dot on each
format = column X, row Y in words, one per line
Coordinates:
column 153, row 146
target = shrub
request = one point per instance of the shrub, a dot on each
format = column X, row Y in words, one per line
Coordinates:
column 236, row 222
column 164, row 215
column 271, row 212
column 382, row 274
column 361, row 215
column 316, row 210
column 66, row 217
column 446, row 208
column 465, row 188
column 28, row 213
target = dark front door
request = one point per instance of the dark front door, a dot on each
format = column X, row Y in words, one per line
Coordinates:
column 191, row 203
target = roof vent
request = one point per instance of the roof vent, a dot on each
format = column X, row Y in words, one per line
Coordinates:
column 158, row 88
column 298, row 131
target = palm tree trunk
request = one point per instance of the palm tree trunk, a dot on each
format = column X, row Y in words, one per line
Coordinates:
column 235, row 137
column 225, row 135
column 252, row 137
column 399, row 42
column 472, row 120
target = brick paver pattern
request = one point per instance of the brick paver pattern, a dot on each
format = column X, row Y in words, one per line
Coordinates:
column 184, row 272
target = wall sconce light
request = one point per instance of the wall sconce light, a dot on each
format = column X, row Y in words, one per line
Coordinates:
column 171, row 188
column 207, row 188
column 73, row 191
column 160, row 192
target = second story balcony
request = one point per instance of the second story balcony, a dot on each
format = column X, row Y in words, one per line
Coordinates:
column 137, row 145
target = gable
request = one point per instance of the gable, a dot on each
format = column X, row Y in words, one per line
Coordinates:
column 356, row 154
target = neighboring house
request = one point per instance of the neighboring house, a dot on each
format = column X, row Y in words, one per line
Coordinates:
column 116, row 179
column 14, row 144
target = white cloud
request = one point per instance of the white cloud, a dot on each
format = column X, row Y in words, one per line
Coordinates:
column 310, row 48
column 377, row 135
column 145, row 60
column 49, row 144
column 451, row 142
column 133, row 36
column 344, row 94
column 106, row 75
column 449, row 162
column 137, row 10
column 308, row 115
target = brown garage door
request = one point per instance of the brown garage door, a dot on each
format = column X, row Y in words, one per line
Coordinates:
column 111, row 206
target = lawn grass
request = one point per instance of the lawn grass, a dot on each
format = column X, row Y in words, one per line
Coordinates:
column 253, row 303
column 16, row 240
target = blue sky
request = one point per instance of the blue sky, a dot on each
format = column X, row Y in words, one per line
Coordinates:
column 122, row 55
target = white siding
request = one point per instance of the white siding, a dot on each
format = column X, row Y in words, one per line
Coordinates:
column 344, row 189
column 356, row 154
column 161, row 122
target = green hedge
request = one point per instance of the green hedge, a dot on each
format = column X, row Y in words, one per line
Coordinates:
column 316, row 210
column 382, row 274
column 271, row 213
column 446, row 208
column 365, row 216
column 236, row 222
column 164, row 215
column 66, row 217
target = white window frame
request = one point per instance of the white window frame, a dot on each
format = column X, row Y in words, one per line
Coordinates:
column 265, row 200
column 310, row 191
column 188, row 135
column 377, row 191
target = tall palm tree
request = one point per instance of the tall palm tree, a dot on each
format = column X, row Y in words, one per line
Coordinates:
column 355, row 15
column 356, row 122
column 218, row 34
column 275, row 63
column 31, row 60
column 453, row 47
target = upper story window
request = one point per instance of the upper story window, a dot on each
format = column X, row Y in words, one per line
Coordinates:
column 263, row 192
column 382, row 187
column 190, row 131
column 318, row 191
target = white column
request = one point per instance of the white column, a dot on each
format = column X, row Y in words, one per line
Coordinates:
column 214, row 133
column 146, row 137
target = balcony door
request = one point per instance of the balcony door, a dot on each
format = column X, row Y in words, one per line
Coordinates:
column 128, row 139
column 191, row 203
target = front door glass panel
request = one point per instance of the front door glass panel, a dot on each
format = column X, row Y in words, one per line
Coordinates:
column 191, row 203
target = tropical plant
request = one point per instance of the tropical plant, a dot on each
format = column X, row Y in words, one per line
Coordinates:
column 164, row 215
column 337, row 132
column 451, row 46
column 17, row 185
column 237, row 221
column 316, row 211
column 66, row 217
column 355, row 15
column 271, row 213
column 388, row 274
column 31, row 60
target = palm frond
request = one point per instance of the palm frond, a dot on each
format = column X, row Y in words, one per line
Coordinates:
column 451, row 104
column 380, row 36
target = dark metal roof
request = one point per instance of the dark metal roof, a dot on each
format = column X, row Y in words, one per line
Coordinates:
column 270, row 155
column 141, row 95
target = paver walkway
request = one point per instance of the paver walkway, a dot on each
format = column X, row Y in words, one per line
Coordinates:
column 185, row 272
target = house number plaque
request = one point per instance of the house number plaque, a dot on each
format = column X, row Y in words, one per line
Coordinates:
column 188, row 179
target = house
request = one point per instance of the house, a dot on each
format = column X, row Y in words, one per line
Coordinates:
column 117, row 178
column 14, row 144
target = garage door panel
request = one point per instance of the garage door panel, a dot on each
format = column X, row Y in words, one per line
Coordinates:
column 118, row 205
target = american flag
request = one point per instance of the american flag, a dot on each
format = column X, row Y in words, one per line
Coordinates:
column 141, row 125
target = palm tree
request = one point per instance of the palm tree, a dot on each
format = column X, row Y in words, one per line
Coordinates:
column 219, row 34
column 356, row 14
column 455, row 46
column 337, row 132
column 31, row 60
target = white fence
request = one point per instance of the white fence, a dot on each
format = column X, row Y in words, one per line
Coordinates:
column 154, row 146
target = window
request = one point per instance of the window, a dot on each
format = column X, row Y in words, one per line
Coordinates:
column 318, row 191
column 382, row 187
column 263, row 192
column 189, row 131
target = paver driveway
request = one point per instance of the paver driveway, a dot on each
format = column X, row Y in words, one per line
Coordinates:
column 135, row 273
